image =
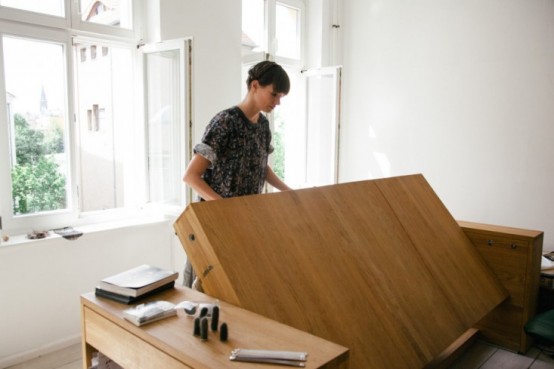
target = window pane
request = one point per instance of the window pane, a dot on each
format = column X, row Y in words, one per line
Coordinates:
column 253, row 26
column 289, row 136
column 164, row 138
column 50, row 7
column 104, row 76
column 287, row 31
column 109, row 13
column 321, row 130
column 35, row 90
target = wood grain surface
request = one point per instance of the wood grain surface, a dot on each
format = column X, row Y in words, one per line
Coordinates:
column 380, row 266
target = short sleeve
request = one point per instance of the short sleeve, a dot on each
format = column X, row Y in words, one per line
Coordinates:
column 207, row 152
column 215, row 138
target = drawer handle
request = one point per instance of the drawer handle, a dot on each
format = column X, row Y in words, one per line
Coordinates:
column 514, row 246
column 490, row 242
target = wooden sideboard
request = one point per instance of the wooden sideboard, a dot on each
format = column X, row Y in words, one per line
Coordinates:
column 170, row 344
column 514, row 254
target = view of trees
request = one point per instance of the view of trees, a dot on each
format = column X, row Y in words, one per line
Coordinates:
column 37, row 182
column 279, row 147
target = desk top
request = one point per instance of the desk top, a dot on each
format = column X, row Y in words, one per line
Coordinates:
column 247, row 330
column 379, row 266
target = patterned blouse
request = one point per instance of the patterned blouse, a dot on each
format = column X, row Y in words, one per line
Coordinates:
column 238, row 151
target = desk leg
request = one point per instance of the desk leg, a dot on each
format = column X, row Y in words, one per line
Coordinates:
column 88, row 350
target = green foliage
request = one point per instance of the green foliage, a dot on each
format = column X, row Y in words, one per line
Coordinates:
column 29, row 147
column 37, row 184
column 279, row 152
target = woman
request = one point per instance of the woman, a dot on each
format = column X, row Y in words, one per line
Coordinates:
column 232, row 159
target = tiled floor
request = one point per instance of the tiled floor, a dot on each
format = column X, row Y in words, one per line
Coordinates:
column 486, row 356
column 480, row 356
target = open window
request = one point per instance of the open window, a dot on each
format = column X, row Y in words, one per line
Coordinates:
column 167, row 68
column 323, row 88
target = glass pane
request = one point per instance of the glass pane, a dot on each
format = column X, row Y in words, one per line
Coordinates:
column 35, row 91
column 321, row 133
column 50, row 7
column 287, row 31
column 253, row 26
column 109, row 13
column 322, row 129
column 164, row 137
column 105, row 111
column 289, row 136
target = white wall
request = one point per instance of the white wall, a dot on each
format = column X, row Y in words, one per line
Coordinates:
column 461, row 91
column 215, row 27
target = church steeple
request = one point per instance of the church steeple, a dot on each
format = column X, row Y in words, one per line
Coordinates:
column 43, row 101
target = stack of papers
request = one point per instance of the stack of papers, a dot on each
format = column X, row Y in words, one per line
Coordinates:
column 547, row 261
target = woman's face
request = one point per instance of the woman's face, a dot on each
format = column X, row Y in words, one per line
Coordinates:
column 266, row 98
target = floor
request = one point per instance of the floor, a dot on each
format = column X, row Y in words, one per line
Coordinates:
column 486, row 356
column 480, row 356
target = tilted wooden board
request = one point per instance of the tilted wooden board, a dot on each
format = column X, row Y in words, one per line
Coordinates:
column 379, row 266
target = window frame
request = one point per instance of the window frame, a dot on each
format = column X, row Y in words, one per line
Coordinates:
column 72, row 20
column 77, row 23
column 35, row 221
column 39, row 19
column 335, row 75
column 184, row 46
column 48, row 28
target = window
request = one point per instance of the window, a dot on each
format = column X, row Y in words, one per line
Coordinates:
column 105, row 126
column 306, row 125
column 273, row 30
column 49, row 7
column 287, row 31
column 322, row 126
column 69, row 119
column 167, row 70
column 37, row 124
column 253, row 27
column 108, row 13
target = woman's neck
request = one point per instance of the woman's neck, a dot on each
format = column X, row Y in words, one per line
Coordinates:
column 249, row 111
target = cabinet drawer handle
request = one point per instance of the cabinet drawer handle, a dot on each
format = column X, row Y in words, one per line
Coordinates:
column 514, row 246
column 490, row 242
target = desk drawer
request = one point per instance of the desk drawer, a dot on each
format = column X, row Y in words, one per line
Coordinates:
column 123, row 347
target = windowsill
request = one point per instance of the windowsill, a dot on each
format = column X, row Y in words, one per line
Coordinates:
column 138, row 221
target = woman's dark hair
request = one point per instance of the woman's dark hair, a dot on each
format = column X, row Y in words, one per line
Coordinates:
column 269, row 73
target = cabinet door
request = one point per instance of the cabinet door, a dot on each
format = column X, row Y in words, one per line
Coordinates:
column 507, row 257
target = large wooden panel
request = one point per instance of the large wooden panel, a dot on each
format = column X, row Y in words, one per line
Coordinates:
column 378, row 266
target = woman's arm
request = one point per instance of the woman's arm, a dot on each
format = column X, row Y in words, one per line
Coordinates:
column 275, row 181
column 193, row 177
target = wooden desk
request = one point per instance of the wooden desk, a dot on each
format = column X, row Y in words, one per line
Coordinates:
column 378, row 266
column 170, row 344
